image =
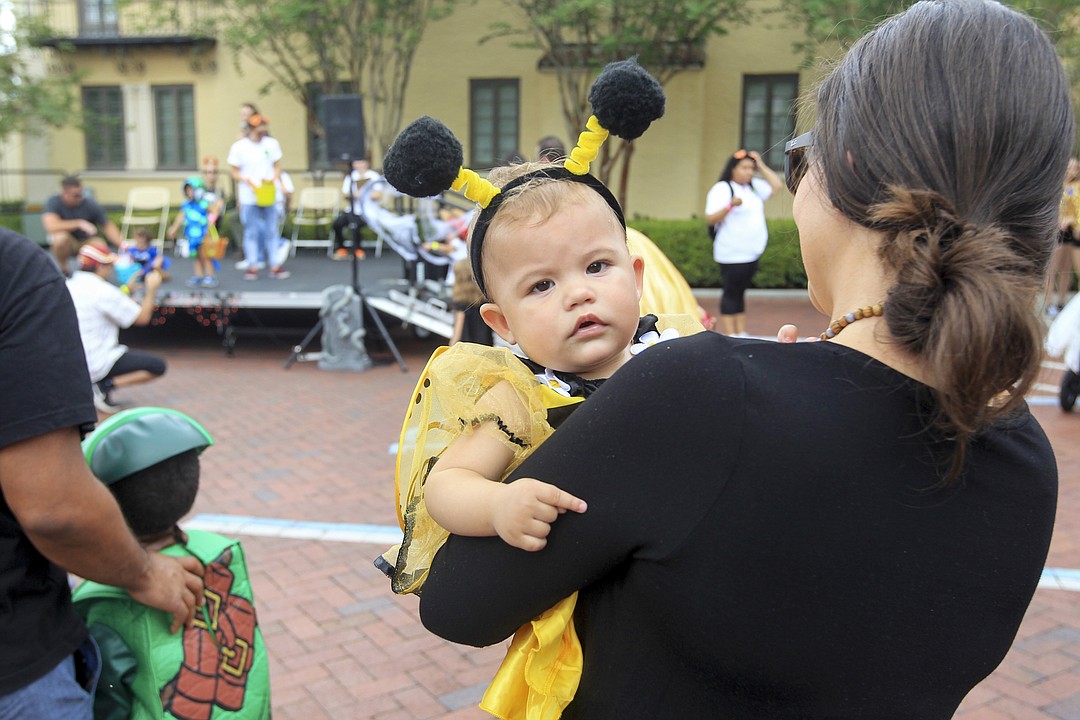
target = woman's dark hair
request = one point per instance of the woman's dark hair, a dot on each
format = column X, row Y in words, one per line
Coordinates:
column 729, row 167
column 948, row 129
column 154, row 499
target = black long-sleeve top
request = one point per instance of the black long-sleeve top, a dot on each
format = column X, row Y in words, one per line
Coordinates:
column 767, row 537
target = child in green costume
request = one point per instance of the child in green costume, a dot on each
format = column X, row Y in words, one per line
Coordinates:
column 217, row 669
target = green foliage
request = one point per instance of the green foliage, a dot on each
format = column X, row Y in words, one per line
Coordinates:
column 685, row 243
column 355, row 46
column 578, row 37
column 29, row 103
column 11, row 221
column 845, row 21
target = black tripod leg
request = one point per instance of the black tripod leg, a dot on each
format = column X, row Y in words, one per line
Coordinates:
column 382, row 330
column 299, row 349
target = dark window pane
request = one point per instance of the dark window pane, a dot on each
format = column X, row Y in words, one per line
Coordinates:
column 104, row 128
column 174, row 118
column 493, row 123
column 97, row 17
column 768, row 119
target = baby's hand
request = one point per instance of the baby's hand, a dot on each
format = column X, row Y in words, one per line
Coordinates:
column 526, row 510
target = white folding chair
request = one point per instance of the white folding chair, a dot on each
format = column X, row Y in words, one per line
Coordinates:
column 146, row 207
column 316, row 208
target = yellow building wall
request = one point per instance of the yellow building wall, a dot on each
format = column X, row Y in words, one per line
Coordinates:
column 674, row 163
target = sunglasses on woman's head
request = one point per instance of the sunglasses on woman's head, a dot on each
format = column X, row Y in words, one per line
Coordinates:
column 740, row 154
column 795, row 159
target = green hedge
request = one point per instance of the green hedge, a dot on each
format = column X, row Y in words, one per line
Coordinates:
column 685, row 242
column 12, row 221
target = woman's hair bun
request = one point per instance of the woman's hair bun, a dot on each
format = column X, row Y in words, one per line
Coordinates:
column 425, row 158
column 626, row 99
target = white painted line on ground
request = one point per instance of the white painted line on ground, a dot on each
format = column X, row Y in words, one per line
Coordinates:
column 274, row 527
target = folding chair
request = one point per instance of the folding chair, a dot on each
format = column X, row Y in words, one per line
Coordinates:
column 316, row 208
column 146, row 207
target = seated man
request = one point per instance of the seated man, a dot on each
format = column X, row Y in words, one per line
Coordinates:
column 70, row 218
column 103, row 309
column 351, row 188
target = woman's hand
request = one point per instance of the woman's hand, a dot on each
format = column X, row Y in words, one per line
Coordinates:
column 736, row 201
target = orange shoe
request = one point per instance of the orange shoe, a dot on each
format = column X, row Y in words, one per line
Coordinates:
column 341, row 254
column 360, row 254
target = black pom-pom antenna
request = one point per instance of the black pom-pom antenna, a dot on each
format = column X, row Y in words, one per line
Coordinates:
column 625, row 98
column 424, row 159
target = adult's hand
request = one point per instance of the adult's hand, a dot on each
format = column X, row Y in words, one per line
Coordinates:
column 172, row 584
column 736, row 201
column 88, row 227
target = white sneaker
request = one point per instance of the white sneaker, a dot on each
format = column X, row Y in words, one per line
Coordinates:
column 242, row 265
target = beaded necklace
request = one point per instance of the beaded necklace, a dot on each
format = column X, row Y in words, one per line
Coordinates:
column 842, row 322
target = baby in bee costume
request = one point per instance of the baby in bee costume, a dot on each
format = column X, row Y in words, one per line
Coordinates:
column 549, row 252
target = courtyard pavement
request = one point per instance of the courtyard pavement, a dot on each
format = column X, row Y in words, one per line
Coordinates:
column 302, row 474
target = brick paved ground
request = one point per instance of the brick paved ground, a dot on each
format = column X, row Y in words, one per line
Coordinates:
column 310, row 445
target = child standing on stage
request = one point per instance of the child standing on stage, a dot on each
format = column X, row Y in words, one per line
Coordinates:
column 195, row 219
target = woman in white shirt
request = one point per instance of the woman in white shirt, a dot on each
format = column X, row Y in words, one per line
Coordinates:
column 735, row 207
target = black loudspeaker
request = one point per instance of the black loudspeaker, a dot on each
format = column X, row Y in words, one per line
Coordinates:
column 343, row 121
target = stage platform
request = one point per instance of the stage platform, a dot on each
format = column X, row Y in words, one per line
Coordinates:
column 238, row 306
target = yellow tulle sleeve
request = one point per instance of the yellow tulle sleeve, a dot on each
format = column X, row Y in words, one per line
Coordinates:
column 664, row 289
column 465, row 388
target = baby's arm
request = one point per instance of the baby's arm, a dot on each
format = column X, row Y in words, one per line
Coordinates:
column 465, row 495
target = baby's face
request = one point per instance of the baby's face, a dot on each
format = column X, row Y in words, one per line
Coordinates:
column 565, row 289
column 141, row 242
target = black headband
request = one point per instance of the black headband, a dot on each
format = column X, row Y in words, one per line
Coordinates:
column 554, row 172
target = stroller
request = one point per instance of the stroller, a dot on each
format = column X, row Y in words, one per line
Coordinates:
column 424, row 303
column 1063, row 340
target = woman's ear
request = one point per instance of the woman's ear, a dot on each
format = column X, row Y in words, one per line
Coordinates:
column 496, row 320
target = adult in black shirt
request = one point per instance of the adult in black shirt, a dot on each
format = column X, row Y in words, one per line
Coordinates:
column 841, row 529
column 70, row 218
column 53, row 513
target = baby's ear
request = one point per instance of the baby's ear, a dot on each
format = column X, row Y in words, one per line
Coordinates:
column 639, row 273
column 496, row 320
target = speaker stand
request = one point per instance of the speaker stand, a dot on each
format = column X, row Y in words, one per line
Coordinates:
column 352, row 241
